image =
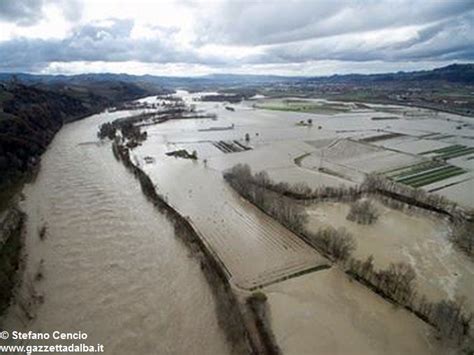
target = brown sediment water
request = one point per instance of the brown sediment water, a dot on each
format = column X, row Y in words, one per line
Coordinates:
column 422, row 240
column 327, row 313
column 111, row 264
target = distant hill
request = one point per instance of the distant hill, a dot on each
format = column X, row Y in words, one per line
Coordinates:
column 30, row 115
column 150, row 81
column 455, row 73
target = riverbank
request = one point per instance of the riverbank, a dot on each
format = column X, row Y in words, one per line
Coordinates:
column 241, row 321
column 31, row 116
column 12, row 223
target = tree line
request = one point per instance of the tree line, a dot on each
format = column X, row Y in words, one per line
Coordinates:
column 397, row 283
column 252, row 188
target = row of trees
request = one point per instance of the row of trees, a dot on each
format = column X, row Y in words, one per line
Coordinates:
column 463, row 237
column 283, row 210
column 463, row 231
column 378, row 183
column 393, row 194
column 261, row 190
column 299, row 191
column 397, row 283
column 336, row 243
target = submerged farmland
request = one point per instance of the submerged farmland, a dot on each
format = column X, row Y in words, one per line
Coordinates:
column 327, row 155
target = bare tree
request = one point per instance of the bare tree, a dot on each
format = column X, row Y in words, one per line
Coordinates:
column 363, row 212
column 451, row 320
column 463, row 237
column 337, row 243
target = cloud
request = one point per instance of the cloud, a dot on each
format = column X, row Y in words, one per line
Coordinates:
column 262, row 22
column 449, row 39
column 109, row 40
column 30, row 12
column 240, row 34
column 21, row 12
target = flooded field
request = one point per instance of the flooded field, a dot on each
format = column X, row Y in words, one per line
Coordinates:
column 326, row 313
column 255, row 249
column 301, row 146
column 420, row 240
column 319, row 155
column 111, row 265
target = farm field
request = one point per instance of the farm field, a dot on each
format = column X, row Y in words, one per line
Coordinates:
column 314, row 179
column 450, row 152
column 413, row 145
column 463, row 193
column 273, row 155
column 354, row 159
column 254, row 248
column 303, row 105
column 466, row 162
column 427, row 174
column 312, row 313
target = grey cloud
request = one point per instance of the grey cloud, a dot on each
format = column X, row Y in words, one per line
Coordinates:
column 293, row 32
column 29, row 12
column 97, row 42
column 450, row 39
column 263, row 22
column 21, row 12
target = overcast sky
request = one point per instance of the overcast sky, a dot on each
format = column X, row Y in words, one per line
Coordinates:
column 186, row 37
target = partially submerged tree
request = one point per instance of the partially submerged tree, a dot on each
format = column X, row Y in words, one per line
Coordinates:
column 397, row 281
column 255, row 189
column 337, row 243
column 463, row 237
column 451, row 320
column 363, row 212
column 107, row 130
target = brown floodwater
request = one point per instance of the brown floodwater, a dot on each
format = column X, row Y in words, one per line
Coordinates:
column 422, row 240
column 111, row 264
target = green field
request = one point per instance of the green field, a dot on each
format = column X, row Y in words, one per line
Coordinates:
column 453, row 151
column 413, row 169
column 432, row 176
column 424, row 173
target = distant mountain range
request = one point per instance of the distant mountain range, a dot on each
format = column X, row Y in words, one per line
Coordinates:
column 455, row 73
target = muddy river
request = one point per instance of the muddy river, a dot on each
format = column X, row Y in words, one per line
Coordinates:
column 109, row 264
